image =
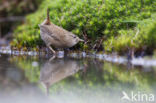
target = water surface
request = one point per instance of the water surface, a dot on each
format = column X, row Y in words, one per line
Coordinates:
column 36, row 79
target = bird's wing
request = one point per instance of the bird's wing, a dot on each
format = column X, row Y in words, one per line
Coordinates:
column 60, row 33
column 46, row 30
column 54, row 36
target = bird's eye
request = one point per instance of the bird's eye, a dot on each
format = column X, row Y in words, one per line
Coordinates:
column 74, row 36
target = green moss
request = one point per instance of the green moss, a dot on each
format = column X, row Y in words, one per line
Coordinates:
column 142, row 38
column 97, row 18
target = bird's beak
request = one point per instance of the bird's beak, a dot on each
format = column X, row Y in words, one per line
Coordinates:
column 81, row 40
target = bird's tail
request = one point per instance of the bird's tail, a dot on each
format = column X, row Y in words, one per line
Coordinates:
column 48, row 17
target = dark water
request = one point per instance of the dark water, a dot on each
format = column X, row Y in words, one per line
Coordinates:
column 34, row 79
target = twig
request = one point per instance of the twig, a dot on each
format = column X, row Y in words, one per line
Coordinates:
column 98, row 43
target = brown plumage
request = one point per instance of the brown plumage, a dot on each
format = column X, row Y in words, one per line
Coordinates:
column 56, row 36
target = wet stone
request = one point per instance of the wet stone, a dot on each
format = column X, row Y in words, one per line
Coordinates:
column 60, row 54
column 99, row 56
column 83, row 54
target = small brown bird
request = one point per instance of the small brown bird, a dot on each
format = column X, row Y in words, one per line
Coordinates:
column 56, row 36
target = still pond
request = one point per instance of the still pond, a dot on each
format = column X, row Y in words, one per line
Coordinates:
column 38, row 79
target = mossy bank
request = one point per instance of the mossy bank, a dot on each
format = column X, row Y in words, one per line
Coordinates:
column 110, row 25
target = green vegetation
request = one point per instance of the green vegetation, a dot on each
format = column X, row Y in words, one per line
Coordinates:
column 143, row 37
column 122, row 24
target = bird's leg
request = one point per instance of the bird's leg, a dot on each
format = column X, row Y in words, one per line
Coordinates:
column 52, row 49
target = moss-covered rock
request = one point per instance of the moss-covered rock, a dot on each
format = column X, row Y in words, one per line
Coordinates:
column 143, row 37
column 93, row 19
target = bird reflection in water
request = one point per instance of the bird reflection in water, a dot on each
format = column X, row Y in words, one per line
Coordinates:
column 56, row 69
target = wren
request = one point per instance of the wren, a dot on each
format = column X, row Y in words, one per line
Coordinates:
column 56, row 36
